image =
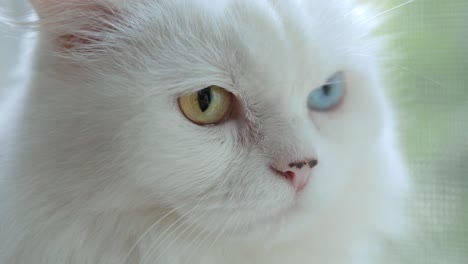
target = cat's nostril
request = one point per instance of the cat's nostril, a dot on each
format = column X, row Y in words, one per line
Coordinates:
column 289, row 175
column 296, row 173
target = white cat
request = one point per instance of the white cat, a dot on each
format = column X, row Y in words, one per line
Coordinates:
column 197, row 131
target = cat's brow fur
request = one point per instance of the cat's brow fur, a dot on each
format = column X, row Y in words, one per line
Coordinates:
column 105, row 168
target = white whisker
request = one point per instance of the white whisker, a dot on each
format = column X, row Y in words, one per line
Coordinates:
column 389, row 10
column 338, row 37
column 224, row 229
column 189, row 257
column 417, row 74
column 179, row 235
column 132, row 248
column 153, row 246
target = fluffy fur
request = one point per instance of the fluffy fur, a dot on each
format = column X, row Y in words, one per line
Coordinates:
column 104, row 168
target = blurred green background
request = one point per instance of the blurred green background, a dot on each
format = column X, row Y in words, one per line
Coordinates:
column 430, row 92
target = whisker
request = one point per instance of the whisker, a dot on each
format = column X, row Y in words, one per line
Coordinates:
column 389, row 10
column 204, row 240
column 153, row 246
column 171, row 230
column 132, row 248
column 179, row 235
column 189, row 257
column 223, row 230
column 420, row 75
column 196, row 237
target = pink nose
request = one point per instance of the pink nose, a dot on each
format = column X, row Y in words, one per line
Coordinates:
column 297, row 173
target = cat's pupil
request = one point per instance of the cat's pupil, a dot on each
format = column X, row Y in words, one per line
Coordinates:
column 204, row 99
column 326, row 89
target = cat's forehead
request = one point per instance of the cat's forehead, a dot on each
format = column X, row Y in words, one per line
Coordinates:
column 267, row 24
column 275, row 41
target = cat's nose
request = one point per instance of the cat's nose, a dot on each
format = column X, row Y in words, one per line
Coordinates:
column 297, row 173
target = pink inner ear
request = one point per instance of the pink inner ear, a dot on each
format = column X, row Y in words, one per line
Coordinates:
column 41, row 3
column 75, row 23
column 42, row 6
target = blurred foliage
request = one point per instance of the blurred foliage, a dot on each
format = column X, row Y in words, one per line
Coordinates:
column 431, row 94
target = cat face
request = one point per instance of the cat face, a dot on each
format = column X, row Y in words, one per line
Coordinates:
column 302, row 123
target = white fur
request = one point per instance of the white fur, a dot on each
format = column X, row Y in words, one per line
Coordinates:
column 106, row 169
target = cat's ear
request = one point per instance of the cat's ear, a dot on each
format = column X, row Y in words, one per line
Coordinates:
column 76, row 24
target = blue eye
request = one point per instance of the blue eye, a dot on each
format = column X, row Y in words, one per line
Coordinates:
column 328, row 95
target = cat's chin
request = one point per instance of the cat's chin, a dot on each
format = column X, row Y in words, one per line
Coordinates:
column 282, row 225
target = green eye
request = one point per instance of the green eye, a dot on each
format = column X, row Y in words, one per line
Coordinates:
column 208, row 106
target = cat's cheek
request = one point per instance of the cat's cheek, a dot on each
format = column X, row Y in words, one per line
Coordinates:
column 330, row 122
column 359, row 117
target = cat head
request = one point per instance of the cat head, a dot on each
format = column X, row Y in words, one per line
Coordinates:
column 240, row 115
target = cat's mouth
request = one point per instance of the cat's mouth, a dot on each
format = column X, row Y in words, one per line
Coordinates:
column 286, row 214
column 284, row 217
